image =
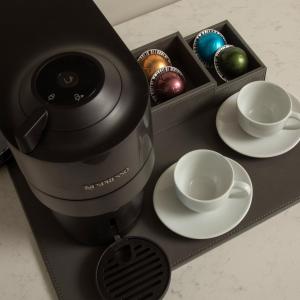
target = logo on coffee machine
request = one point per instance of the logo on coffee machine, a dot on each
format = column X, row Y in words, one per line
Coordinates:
column 100, row 184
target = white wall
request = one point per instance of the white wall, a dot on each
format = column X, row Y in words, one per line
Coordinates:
column 118, row 11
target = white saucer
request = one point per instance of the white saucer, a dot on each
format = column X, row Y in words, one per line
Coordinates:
column 232, row 135
column 181, row 220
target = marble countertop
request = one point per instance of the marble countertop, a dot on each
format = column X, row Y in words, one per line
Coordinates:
column 262, row 263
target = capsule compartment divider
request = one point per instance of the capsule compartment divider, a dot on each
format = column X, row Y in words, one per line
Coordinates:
column 203, row 85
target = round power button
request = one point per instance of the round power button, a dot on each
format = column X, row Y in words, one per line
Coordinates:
column 67, row 79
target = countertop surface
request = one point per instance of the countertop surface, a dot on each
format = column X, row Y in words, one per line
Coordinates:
column 262, row 263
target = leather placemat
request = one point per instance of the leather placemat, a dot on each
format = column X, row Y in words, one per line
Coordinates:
column 72, row 266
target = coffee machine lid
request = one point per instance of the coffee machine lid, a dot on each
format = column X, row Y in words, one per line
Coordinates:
column 76, row 90
column 5, row 154
column 66, row 93
column 133, row 268
column 74, row 98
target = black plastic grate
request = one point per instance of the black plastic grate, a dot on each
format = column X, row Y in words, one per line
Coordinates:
column 133, row 269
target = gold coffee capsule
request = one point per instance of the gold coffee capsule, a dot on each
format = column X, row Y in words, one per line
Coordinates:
column 152, row 60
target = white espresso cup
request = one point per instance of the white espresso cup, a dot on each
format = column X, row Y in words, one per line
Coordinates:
column 264, row 108
column 204, row 179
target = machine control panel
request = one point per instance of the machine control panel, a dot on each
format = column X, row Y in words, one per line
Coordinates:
column 69, row 79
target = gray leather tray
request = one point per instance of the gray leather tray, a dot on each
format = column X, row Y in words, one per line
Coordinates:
column 72, row 266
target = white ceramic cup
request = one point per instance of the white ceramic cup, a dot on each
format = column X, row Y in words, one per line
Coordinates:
column 204, row 179
column 263, row 109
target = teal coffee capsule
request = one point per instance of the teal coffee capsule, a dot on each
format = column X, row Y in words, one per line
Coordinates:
column 206, row 44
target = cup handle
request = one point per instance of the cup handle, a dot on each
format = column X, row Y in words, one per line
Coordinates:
column 238, row 188
column 296, row 116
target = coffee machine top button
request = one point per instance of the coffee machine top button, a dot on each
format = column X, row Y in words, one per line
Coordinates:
column 67, row 79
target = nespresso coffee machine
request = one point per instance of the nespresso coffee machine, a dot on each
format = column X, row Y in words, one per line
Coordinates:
column 75, row 112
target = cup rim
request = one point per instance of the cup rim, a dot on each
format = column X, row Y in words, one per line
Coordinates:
column 258, row 122
column 193, row 199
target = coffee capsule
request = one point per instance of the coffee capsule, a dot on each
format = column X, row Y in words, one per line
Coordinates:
column 152, row 60
column 206, row 44
column 230, row 62
column 166, row 83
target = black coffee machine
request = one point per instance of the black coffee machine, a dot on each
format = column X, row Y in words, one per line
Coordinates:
column 75, row 112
